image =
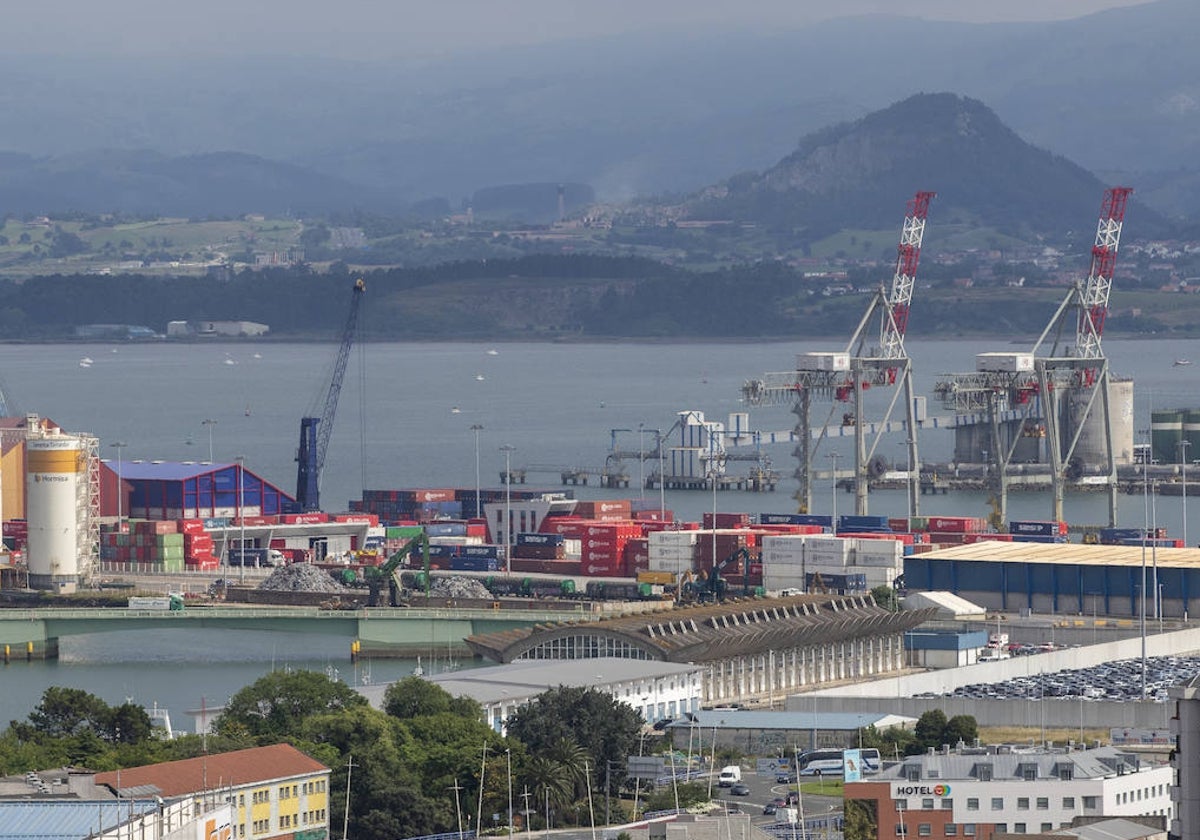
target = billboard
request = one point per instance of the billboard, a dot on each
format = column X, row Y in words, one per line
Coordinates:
column 852, row 761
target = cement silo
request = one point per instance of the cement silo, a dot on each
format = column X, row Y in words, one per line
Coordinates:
column 1092, row 450
column 1166, row 431
column 60, row 499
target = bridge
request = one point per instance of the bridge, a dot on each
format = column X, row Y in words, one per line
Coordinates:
column 34, row 633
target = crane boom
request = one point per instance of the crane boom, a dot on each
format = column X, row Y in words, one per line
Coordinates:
column 315, row 431
column 1094, row 297
column 894, row 322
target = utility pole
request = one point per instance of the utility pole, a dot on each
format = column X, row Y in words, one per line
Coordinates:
column 346, row 816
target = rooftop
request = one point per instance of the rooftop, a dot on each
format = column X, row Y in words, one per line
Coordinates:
column 833, row 721
column 1085, row 555
column 1014, row 763
column 710, row 632
column 191, row 775
column 69, row 820
column 528, row 678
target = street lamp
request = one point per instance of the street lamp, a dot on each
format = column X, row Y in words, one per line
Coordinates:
column 508, row 450
column 476, row 428
column 119, row 445
column 1183, row 447
column 641, row 463
column 834, row 456
column 209, row 422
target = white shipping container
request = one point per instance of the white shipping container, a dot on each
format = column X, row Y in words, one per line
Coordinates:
column 773, row 579
column 781, row 541
column 824, row 361
column 672, row 538
column 1004, row 362
column 573, row 547
column 782, row 557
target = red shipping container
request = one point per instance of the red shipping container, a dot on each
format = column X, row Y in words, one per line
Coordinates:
column 968, row 539
column 315, row 518
column 898, row 524
column 604, row 509
column 955, row 524
column 475, row 528
column 560, row 525
column 725, row 520
column 603, row 565
column 191, row 526
column 654, row 516
column 947, row 538
column 437, row 495
column 357, row 519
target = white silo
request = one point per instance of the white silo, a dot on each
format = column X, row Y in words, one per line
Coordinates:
column 58, row 508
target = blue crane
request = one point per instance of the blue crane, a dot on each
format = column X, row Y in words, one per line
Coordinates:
column 315, row 431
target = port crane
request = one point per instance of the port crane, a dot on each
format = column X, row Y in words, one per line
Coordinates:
column 1023, row 391
column 845, row 376
column 315, row 431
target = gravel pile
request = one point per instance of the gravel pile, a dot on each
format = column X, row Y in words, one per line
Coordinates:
column 301, row 577
column 458, row 587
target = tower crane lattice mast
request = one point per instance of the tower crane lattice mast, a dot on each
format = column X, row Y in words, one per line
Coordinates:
column 315, row 431
column 845, row 376
column 1027, row 395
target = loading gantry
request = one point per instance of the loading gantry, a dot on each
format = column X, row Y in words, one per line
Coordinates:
column 1022, row 394
column 845, row 376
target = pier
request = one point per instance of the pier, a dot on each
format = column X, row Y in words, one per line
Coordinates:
column 380, row 631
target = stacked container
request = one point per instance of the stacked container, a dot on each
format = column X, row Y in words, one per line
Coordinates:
column 148, row 542
column 671, row 551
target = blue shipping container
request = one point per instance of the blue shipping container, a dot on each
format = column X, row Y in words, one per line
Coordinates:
column 539, row 539
column 478, row 551
column 1038, row 538
column 1044, row 529
column 474, row 564
column 795, row 519
column 445, row 529
column 875, row 523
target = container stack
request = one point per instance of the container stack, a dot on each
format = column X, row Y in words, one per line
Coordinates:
column 148, row 542
column 671, row 551
column 1038, row 531
column 413, row 505
column 198, row 549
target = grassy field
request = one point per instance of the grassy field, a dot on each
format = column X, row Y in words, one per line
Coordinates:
column 823, row 787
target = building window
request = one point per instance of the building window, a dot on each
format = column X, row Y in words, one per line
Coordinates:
column 912, row 772
column 901, row 804
column 924, row 830
column 1089, row 802
column 1069, row 803
column 983, row 772
column 997, row 803
column 927, row 804
column 1047, row 826
column 1019, row 828
column 1022, row 803
column 1043, row 803
column 947, row 804
column 285, row 792
column 969, row 829
column 901, row 830
column 933, row 774
column 950, row 830
column 1001, row 827
column 1029, row 772
column 972, row 803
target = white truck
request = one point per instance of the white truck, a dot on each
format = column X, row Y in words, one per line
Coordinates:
column 730, row 776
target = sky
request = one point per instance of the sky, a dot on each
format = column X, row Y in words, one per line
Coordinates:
column 374, row 29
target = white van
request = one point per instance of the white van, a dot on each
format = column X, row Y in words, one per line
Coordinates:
column 730, row 776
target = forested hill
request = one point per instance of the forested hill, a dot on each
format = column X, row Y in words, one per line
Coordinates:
column 850, row 176
column 548, row 298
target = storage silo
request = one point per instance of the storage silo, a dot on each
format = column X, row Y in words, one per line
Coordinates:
column 58, row 496
column 1166, row 430
column 1092, row 450
column 1191, row 434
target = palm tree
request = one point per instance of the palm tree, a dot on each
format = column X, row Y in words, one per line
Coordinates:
column 551, row 782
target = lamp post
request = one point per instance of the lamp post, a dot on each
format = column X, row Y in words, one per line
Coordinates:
column 209, row 422
column 1145, row 528
column 119, row 445
column 1183, row 447
column 662, row 478
column 241, row 508
column 507, row 449
column 834, row 456
column 641, row 463
column 476, row 428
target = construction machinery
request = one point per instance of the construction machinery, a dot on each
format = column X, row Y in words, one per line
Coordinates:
column 389, row 572
column 844, row 377
column 711, row 586
column 1055, row 392
column 316, row 430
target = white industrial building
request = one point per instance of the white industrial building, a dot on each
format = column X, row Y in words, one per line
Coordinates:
column 657, row 690
column 948, row 605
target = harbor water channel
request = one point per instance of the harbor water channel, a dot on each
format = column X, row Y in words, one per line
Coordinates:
column 406, row 419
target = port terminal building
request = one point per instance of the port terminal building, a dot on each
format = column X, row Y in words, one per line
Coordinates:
column 750, row 650
column 1062, row 578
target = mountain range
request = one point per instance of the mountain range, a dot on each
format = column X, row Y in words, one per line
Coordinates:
column 1117, row 93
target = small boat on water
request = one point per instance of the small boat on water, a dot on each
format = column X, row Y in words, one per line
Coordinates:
column 1181, row 363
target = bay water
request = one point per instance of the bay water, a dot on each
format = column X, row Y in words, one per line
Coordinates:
column 404, row 420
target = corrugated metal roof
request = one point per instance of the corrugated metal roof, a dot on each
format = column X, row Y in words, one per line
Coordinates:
column 74, row 820
column 1087, row 764
column 241, row 767
column 165, row 470
column 1114, row 829
column 1084, row 555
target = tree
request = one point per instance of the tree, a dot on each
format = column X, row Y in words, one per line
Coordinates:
column 413, row 696
column 275, row 706
column 67, row 711
column 603, row 726
column 885, row 596
column 930, row 729
column 961, row 728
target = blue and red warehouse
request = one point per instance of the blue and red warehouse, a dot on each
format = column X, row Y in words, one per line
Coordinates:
column 175, row 490
column 1062, row 578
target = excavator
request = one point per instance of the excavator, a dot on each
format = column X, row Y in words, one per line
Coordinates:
column 711, row 586
column 376, row 575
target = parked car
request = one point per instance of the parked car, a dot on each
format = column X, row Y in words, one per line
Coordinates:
column 740, row 790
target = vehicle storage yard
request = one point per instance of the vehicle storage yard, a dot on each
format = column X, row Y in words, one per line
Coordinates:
column 1111, row 681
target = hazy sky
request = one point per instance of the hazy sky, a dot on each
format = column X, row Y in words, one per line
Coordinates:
column 384, row 28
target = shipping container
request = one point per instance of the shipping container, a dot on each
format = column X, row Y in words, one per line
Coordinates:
column 1045, row 528
column 795, row 519
column 852, row 522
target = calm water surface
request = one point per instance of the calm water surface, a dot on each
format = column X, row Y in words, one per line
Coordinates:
column 557, row 404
